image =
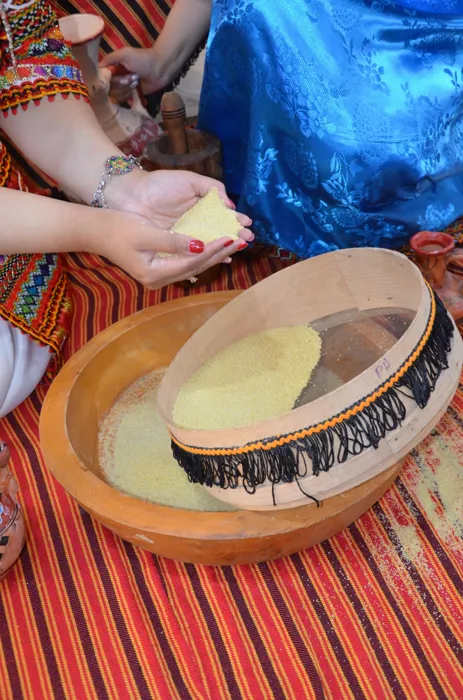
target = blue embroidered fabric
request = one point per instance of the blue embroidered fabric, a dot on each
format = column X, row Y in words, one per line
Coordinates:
column 341, row 120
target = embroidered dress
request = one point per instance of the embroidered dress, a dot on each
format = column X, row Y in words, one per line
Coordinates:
column 35, row 64
column 341, row 120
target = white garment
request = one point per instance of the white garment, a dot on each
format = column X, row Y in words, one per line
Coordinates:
column 23, row 363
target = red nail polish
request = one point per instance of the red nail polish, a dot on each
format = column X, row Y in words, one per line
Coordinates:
column 229, row 242
column 242, row 245
column 197, row 247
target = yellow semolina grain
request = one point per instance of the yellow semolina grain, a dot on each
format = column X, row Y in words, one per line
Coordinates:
column 410, row 543
column 256, row 378
column 208, row 220
column 440, row 491
column 135, row 455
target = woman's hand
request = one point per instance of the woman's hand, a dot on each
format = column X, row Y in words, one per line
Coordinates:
column 141, row 66
column 151, row 204
column 133, row 243
column 163, row 196
column 185, row 27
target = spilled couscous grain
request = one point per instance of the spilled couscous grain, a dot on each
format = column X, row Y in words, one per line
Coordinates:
column 135, row 453
column 256, row 378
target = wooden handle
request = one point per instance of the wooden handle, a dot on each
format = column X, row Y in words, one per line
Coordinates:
column 174, row 118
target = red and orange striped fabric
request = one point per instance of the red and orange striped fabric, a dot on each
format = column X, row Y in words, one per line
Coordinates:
column 127, row 22
column 374, row 613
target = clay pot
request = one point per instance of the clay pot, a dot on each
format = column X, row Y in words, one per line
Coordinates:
column 131, row 128
column 433, row 251
column 12, row 531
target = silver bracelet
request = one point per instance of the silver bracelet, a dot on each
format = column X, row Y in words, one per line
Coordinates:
column 115, row 165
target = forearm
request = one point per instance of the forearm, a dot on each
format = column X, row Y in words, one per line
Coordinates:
column 186, row 26
column 35, row 224
column 64, row 140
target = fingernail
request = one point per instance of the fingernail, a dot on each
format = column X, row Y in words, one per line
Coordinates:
column 228, row 243
column 232, row 204
column 242, row 245
column 196, row 247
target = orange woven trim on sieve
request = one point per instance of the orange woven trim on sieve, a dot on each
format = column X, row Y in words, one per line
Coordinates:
column 332, row 422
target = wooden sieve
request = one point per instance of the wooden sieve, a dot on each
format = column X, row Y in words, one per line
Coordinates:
column 340, row 435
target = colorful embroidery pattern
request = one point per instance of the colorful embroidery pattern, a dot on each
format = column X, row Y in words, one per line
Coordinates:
column 33, row 297
column 6, row 172
column 29, row 23
column 27, row 92
column 45, row 65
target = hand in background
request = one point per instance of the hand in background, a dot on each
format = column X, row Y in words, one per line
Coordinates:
column 186, row 26
column 142, row 68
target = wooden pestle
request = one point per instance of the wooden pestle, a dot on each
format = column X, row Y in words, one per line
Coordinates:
column 174, row 119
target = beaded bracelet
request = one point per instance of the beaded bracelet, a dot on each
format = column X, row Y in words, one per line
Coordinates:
column 115, row 165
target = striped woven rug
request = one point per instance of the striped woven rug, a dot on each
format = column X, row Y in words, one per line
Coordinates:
column 375, row 612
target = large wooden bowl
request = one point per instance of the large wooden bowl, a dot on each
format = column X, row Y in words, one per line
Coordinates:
column 88, row 386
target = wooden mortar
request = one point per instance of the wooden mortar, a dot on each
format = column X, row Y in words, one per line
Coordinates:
column 181, row 148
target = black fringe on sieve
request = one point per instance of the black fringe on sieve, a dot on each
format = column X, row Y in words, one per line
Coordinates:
column 320, row 451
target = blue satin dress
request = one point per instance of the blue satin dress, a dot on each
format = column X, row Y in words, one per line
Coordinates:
column 341, row 120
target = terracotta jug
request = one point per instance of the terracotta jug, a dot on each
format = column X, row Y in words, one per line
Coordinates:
column 130, row 129
column 433, row 251
column 12, row 531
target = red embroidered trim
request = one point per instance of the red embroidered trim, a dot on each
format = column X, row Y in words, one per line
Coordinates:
column 21, row 95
